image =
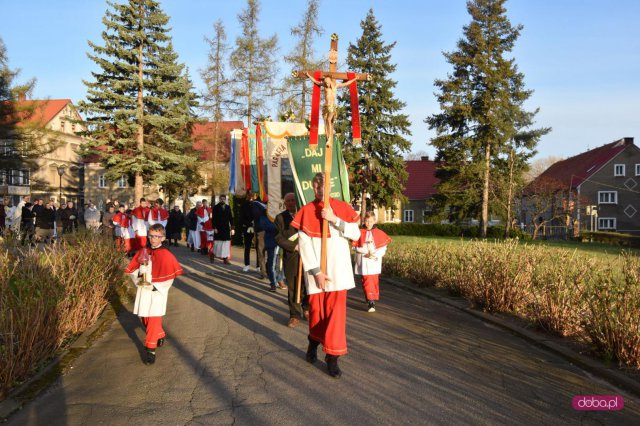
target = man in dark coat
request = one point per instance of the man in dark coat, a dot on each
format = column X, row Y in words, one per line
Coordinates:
column 175, row 223
column 191, row 222
column 45, row 223
column 222, row 230
column 69, row 217
column 291, row 259
column 257, row 208
column 246, row 220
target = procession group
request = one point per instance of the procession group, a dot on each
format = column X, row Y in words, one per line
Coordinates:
column 322, row 299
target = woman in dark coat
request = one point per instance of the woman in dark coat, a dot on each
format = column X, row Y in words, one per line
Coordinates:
column 175, row 223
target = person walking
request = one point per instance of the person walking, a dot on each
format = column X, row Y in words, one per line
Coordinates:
column 258, row 209
column 327, row 290
column 193, row 240
column 269, row 230
column 286, row 238
column 69, row 217
column 370, row 249
column 139, row 217
column 108, row 228
column 246, row 221
column 175, row 224
column 152, row 271
column 92, row 218
column 222, row 222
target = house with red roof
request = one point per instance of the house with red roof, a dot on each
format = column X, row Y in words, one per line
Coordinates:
column 600, row 190
column 59, row 171
column 420, row 186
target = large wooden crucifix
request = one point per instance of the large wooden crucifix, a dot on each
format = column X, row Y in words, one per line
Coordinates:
column 328, row 81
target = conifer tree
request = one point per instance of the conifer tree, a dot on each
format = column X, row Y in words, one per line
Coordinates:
column 294, row 104
column 215, row 100
column 482, row 112
column 139, row 108
column 23, row 137
column 376, row 166
column 253, row 63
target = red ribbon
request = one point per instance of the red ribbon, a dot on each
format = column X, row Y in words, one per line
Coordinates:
column 246, row 167
column 260, row 164
column 355, row 112
column 315, row 112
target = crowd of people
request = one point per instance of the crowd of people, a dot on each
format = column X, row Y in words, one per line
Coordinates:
column 288, row 254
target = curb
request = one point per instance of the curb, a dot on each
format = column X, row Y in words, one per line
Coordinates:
column 591, row 365
column 59, row 364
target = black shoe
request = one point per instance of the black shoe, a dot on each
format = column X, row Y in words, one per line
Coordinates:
column 312, row 351
column 272, row 288
column 226, row 262
column 192, row 248
column 160, row 342
column 150, row 358
column 332, row 366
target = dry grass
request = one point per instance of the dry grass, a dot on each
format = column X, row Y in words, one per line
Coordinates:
column 565, row 292
column 48, row 295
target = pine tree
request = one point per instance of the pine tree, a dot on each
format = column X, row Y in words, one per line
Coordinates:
column 377, row 166
column 482, row 112
column 140, row 103
column 23, row 137
column 254, row 65
column 294, row 103
column 216, row 99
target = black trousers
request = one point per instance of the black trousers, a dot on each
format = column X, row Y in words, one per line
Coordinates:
column 247, row 238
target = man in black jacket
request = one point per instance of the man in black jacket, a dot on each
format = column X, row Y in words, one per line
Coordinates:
column 69, row 217
column 246, row 221
column 45, row 221
column 291, row 259
column 27, row 227
column 257, row 209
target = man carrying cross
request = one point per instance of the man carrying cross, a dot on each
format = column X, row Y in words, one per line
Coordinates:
column 327, row 289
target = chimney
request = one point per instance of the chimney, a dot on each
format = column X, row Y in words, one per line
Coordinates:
column 628, row 141
column 424, row 158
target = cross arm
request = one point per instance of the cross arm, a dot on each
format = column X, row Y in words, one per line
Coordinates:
column 336, row 75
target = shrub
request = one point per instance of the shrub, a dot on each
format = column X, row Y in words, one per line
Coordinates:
column 49, row 295
column 612, row 238
column 612, row 321
column 448, row 230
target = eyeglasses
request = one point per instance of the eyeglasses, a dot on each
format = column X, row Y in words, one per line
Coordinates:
column 156, row 236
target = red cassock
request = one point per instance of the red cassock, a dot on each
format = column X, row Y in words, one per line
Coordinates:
column 123, row 241
column 158, row 214
column 328, row 308
column 207, row 225
column 369, row 268
column 164, row 268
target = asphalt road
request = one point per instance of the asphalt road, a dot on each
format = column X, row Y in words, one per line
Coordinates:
column 230, row 359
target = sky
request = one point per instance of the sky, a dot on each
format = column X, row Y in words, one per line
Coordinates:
column 580, row 57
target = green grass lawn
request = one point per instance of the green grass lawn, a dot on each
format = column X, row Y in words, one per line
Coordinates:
column 599, row 250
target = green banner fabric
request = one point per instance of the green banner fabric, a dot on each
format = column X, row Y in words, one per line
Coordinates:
column 306, row 162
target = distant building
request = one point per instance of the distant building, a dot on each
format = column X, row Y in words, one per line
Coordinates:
column 58, row 172
column 597, row 190
column 420, row 187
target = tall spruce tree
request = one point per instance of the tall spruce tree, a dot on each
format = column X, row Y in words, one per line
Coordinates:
column 253, row 63
column 482, row 112
column 377, row 165
column 215, row 100
column 139, row 107
column 294, row 103
column 23, row 136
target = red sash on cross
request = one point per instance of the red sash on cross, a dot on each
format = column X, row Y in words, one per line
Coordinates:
column 315, row 112
column 355, row 112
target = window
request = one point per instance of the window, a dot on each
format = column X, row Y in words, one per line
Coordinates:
column 606, row 223
column 388, row 215
column 102, row 181
column 122, row 182
column 607, row 197
column 637, row 169
column 408, row 216
column 62, row 125
column 618, row 169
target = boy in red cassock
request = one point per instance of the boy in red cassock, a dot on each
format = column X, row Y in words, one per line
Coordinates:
column 370, row 248
column 153, row 271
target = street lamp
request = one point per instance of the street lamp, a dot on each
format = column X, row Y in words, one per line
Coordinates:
column 60, row 173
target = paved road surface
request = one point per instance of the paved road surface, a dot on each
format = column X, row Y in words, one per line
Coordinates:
column 229, row 359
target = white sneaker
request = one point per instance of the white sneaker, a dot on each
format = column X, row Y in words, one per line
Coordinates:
column 246, row 268
column 371, row 309
column 257, row 269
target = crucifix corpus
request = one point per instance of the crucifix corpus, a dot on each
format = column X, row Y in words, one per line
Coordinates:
column 328, row 81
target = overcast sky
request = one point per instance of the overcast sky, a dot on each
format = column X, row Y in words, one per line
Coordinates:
column 581, row 57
